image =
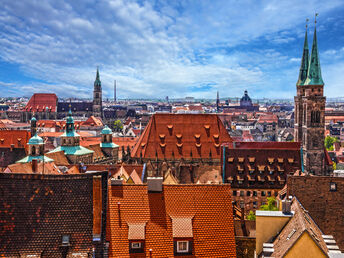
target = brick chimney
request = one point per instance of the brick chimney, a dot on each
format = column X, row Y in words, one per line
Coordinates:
column 34, row 164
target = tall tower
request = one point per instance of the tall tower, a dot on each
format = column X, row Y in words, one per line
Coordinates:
column 97, row 97
column 310, row 110
column 217, row 102
column 115, row 92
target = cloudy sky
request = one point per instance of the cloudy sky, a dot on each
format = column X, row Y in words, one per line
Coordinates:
column 159, row 48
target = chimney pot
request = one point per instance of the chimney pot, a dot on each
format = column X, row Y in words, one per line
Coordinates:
column 286, row 206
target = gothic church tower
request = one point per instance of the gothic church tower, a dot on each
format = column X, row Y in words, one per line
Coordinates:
column 97, row 97
column 310, row 111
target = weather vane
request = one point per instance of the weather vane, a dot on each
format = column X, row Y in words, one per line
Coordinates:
column 315, row 20
column 307, row 23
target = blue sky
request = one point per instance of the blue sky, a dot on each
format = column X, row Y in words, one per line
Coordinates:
column 159, row 48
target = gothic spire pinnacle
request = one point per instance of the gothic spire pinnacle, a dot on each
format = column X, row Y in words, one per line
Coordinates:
column 304, row 61
column 97, row 83
column 97, row 77
column 314, row 70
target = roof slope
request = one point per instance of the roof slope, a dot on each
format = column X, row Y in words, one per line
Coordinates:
column 39, row 102
column 19, row 138
column 300, row 223
column 54, row 205
column 209, row 207
column 175, row 136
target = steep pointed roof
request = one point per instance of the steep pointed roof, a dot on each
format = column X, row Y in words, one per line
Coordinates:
column 304, row 63
column 97, row 82
column 314, row 70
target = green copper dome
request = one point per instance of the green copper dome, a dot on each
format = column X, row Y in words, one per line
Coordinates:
column 33, row 119
column 35, row 140
column 106, row 130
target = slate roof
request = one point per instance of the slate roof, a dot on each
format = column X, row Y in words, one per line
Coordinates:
column 37, row 210
column 39, row 102
column 208, row 207
column 175, row 136
column 299, row 224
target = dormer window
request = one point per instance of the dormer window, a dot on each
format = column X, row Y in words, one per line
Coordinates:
column 183, row 235
column 182, row 246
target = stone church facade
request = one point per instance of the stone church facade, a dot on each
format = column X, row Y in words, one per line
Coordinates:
column 310, row 112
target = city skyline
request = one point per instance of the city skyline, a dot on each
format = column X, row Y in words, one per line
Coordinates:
column 155, row 50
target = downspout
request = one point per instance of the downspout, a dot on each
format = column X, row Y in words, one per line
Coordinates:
column 143, row 172
column 223, row 163
column 302, row 168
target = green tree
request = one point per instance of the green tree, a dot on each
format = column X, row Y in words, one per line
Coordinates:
column 270, row 205
column 117, row 126
column 334, row 165
column 329, row 141
column 251, row 216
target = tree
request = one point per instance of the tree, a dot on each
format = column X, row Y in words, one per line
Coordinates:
column 117, row 126
column 270, row 206
column 329, row 141
column 334, row 166
column 251, row 216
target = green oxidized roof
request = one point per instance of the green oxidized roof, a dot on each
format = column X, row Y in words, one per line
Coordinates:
column 70, row 119
column 304, row 63
column 35, row 140
column 106, row 130
column 73, row 150
column 33, row 119
column 30, row 158
column 314, row 70
column 108, row 145
column 97, row 81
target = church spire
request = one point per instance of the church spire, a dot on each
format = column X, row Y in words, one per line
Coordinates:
column 314, row 70
column 97, row 83
column 304, row 61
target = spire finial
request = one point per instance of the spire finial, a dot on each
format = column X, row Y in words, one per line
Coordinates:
column 315, row 18
column 307, row 20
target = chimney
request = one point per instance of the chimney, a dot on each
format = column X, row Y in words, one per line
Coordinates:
column 286, row 206
column 117, row 181
column 34, row 164
column 155, row 184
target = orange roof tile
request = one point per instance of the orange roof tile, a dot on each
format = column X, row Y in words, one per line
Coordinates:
column 209, row 206
column 182, row 133
column 16, row 138
column 41, row 101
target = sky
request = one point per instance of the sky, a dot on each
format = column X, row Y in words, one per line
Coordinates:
column 164, row 48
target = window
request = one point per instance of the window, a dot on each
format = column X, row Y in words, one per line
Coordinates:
column 255, row 204
column 248, row 193
column 234, row 193
column 263, row 193
column 254, row 193
column 182, row 246
column 269, row 193
column 241, row 193
column 333, row 187
column 136, row 245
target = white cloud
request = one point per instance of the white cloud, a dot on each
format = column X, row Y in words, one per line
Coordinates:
column 154, row 48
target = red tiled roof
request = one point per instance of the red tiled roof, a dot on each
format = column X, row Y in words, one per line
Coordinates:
column 180, row 140
column 209, row 206
column 40, row 101
column 19, row 138
column 49, row 168
column 268, row 119
column 59, row 158
column 268, row 145
column 93, row 121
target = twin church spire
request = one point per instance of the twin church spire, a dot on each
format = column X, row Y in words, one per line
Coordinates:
column 310, row 70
